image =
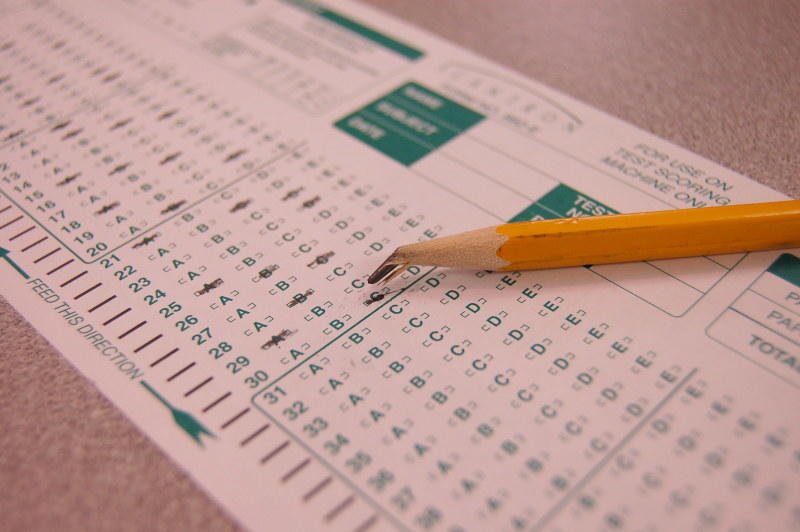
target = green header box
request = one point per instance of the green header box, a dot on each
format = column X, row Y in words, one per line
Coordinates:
column 356, row 27
column 563, row 202
column 787, row 267
column 425, row 101
column 386, row 141
column 534, row 212
column 409, row 122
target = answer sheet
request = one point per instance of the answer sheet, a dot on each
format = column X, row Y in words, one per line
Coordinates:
column 193, row 194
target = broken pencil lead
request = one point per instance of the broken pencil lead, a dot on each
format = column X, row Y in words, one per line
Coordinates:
column 60, row 125
column 374, row 297
column 146, row 240
column 265, row 273
column 277, row 338
column 235, row 155
column 173, row 207
column 167, row 114
column 240, row 205
column 169, row 158
column 292, row 194
column 120, row 124
column 68, row 179
column 119, row 168
column 72, row 133
column 14, row 134
column 111, row 77
column 107, row 208
column 207, row 287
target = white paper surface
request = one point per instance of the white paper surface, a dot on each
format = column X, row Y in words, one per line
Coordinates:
column 194, row 193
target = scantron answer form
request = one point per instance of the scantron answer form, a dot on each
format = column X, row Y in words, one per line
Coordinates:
column 194, row 194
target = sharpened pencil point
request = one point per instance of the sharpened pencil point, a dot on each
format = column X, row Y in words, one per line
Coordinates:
column 382, row 271
column 388, row 270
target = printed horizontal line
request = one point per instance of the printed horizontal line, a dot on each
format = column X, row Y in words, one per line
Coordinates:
column 87, row 291
column 316, row 489
column 180, row 372
column 135, row 327
column 54, row 270
column 295, row 470
column 339, row 508
column 253, row 435
column 190, row 392
column 147, row 343
column 31, row 228
column 111, row 319
column 29, row 246
column 234, row 418
column 40, row 259
column 274, row 452
column 97, row 306
column 18, row 218
column 65, row 283
column 163, row 358
column 366, row 525
column 216, row 402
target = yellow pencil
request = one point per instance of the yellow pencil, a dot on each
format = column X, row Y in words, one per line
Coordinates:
column 606, row 239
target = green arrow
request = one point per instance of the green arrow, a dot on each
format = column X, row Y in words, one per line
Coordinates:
column 184, row 419
column 4, row 254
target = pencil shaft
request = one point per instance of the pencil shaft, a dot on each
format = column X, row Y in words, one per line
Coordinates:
column 607, row 239
column 650, row 236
